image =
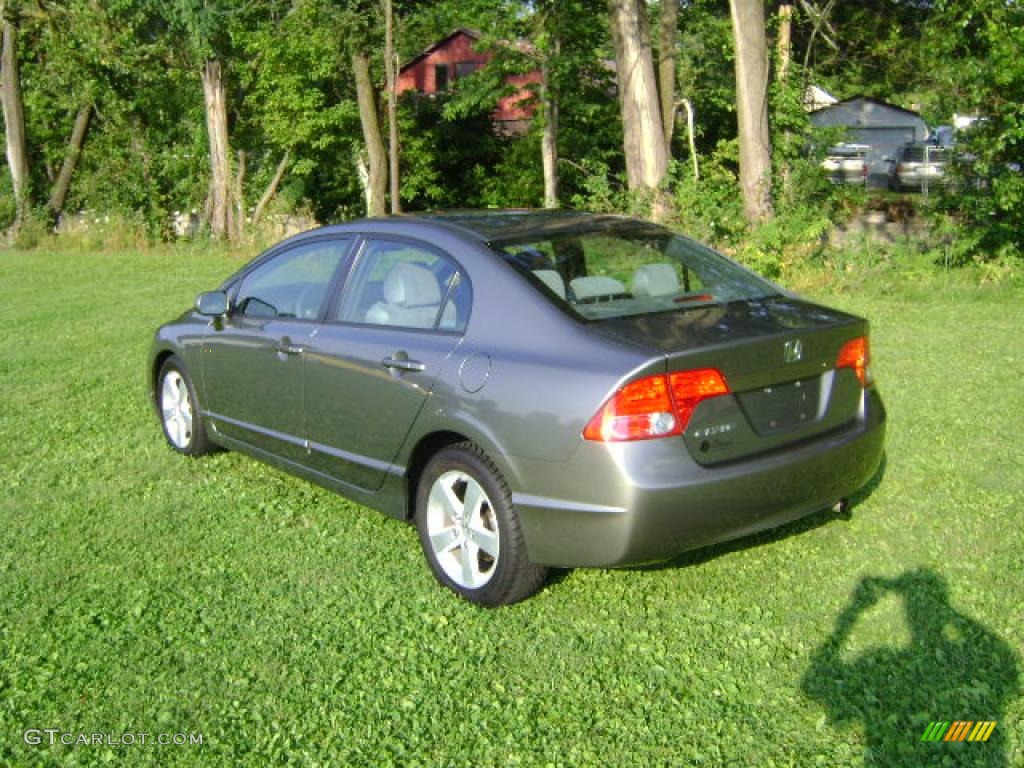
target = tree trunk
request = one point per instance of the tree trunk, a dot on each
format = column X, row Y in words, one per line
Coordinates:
column 271, row 190
column 690, row 137
column 784, row 45
column 60, row 187
column 549, row 135
column 377, row 180
column 667, row 33
column 784, row 54
column 752, row 108
column 363, row 174
column 14, row 122
column 240, row 196
column 643, row 134
column 389, row 73
column 215, row 98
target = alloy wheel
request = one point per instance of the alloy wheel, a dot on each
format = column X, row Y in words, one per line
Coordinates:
column 176, row 406
column 462, row 529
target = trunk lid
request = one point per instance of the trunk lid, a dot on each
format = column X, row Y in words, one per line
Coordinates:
column 778, row 356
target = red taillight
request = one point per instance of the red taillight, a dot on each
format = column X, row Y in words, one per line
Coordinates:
column 654, row 406
column 856, row 354
column 689, row 388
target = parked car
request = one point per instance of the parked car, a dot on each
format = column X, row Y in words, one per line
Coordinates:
column 847, row 164
column 530, row 389
column 919, row 167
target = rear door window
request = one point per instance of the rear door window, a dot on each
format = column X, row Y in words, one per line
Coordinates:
column 405, row 285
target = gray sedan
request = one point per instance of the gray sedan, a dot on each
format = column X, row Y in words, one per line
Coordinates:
column 531, row 389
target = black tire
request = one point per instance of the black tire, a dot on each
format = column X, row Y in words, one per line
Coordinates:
column 193, row 441
column 510, row 576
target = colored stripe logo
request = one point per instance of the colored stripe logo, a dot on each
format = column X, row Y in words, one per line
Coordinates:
column 959, row 730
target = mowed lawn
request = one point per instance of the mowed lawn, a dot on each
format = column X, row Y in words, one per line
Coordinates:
column 143, row 592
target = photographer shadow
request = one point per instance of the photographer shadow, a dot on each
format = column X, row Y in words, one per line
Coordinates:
column 954, row 668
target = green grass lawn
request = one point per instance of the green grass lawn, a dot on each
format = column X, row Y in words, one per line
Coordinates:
column 144, row 592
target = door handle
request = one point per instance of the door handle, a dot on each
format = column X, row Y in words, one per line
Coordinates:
column 289, row 349
column 402, row 364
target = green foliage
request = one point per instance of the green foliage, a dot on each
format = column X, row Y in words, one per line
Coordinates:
column 980, row 68
column 868, row 48
column 7, row 207
column 710, row 208
column 705, row 73
column 456, row 161
column 34, row 232
column 290, row 89
column 141, row 591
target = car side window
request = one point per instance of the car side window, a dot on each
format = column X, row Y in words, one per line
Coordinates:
column 406, row 286
column 292, row 284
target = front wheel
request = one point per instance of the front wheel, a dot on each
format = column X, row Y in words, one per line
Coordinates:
column 183, row 423
column 470, row 531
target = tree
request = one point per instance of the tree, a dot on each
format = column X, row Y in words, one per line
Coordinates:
column 668, row 32
column 206, row 30
column 643, row 133
column 220, row 214
column 751, row 47
column 389, row 69
column 62, row 184
column 14, row 115
column 547, row 37
column 377, row 175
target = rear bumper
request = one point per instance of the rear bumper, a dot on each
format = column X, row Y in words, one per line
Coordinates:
column 648, row 501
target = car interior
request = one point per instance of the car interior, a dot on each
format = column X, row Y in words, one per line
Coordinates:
column 411, row 297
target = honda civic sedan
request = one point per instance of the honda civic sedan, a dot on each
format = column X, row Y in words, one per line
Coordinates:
column 530, row 389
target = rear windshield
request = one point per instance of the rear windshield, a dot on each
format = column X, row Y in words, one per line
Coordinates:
column 606, row 274
column 847, row 151
column 913, row 154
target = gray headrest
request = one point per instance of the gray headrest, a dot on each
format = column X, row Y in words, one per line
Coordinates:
column 596, row 285
column 655, row 280
column 552, row 280
column 410, row 285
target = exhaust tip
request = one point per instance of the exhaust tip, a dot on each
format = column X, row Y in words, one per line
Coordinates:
column 842, row 509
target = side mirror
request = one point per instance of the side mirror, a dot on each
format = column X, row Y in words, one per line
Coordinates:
column 212, row 303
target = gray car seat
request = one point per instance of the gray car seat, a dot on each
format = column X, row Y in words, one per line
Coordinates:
column 412, row 298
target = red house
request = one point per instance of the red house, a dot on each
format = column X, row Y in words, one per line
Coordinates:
column 439, row 67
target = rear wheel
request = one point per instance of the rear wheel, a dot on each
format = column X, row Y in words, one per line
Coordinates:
column 183, row 423
column 470, row 531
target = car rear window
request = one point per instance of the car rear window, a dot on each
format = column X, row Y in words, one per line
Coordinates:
column 608, row 274
column 913, row 154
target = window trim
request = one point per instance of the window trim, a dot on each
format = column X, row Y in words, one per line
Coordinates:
column 359, row 253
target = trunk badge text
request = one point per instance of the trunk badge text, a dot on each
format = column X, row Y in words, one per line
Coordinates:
column 793, row 351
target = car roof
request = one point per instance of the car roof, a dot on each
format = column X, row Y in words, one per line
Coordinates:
column 510, row 225
column 487, row 227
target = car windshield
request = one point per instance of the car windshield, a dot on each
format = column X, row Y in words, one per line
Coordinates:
column 609, row 274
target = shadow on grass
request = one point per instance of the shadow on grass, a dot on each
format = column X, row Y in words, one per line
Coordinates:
column 795, row 528
column 953, row 669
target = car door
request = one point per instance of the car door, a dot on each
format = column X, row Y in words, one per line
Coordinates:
column 372, row 364
column 253, row 358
